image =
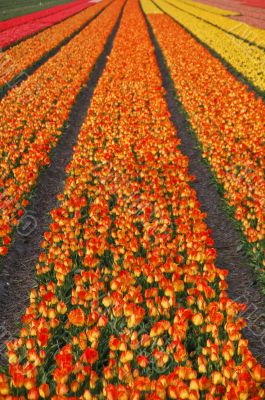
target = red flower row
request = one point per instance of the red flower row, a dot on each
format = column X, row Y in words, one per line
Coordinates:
column 11, row 33
column 16, row 21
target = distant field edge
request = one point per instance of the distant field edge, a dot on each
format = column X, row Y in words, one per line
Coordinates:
column 10, row 10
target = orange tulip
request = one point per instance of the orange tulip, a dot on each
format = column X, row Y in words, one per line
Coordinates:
column 44, row 391
column 77, row 317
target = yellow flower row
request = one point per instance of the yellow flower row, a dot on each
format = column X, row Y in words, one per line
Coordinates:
column 149, row 7
column 207, row 7
column 245, row 58
column 228, row 120
column 239, row 28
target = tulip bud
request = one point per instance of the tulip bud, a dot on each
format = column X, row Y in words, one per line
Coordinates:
column 197, row 319
column 259, row 373
column 217, row 378
column 61, row 308
column 87, row 395
column 126, row 356
column 4, row 389
column 44, row 391
column 142, row 361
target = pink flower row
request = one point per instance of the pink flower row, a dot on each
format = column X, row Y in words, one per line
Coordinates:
column 18, row 28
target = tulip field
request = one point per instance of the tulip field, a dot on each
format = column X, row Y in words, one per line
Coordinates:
column 17, row 28
column 130, row 299
column 29, row 10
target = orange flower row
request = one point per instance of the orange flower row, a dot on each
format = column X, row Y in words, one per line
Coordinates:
column 229, row 121
column 32, row 117
column 20, row 57
column 130, row 304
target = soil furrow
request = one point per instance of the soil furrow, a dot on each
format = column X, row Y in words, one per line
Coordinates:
column 17, row 276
